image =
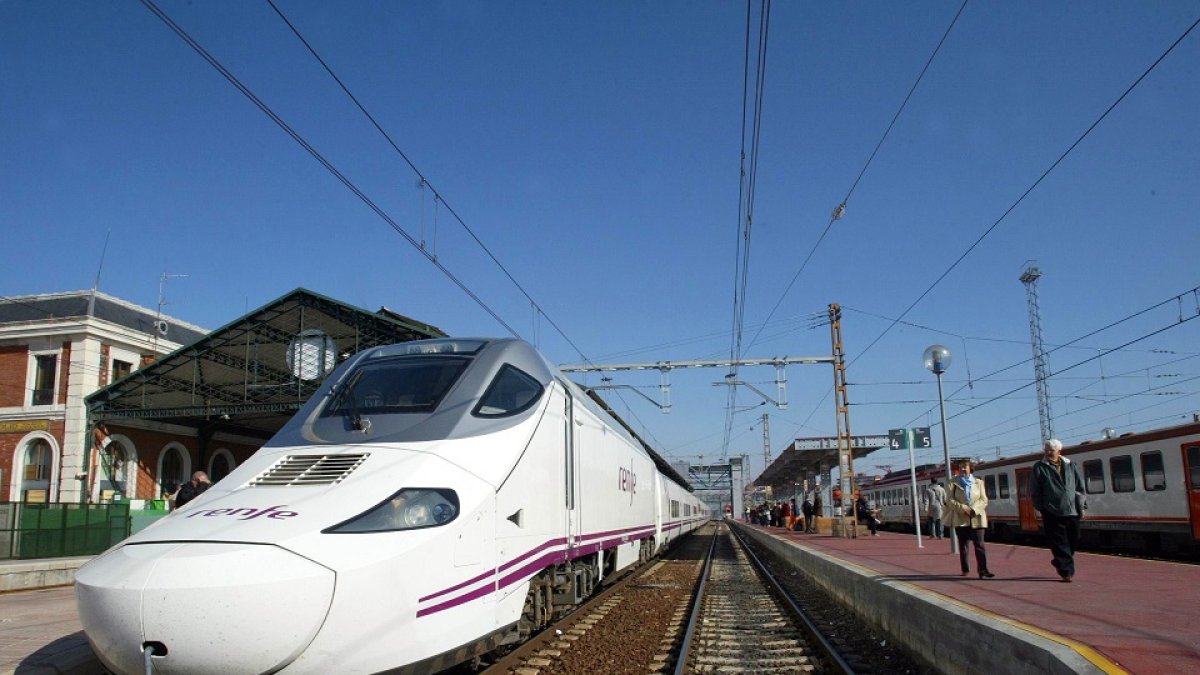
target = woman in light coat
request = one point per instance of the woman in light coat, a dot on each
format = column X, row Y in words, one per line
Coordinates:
column 966, row 512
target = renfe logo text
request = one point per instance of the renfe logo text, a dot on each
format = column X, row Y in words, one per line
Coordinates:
column 247, row 513
column 627, row 480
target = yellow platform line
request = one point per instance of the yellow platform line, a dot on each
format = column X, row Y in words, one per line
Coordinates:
column 1086, row 651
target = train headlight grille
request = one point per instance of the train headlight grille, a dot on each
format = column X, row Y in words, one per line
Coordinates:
column 311, row 469
column 408, row 509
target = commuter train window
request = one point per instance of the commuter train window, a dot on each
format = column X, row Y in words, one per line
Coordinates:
column 1153, row 476
column 989, row 486
column 1193, row 462
column 1093, row 476
column 396, row 385
column 1002, row 480
column 510, row 393
column 1122, row 473
column 674, row 509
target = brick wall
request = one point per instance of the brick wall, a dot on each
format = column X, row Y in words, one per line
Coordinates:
column 150, row 445
column 14, row 365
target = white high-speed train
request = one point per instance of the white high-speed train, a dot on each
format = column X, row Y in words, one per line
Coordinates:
column 433, row 501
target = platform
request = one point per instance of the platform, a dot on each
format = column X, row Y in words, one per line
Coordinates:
column 1119, row 615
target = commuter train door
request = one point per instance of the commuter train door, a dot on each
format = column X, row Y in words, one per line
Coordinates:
column 1025, row 510
column 571, row 473
column 1191, row 476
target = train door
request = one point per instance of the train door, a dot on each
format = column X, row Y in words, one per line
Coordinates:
column 1191, row 473
column 571, row 473
column 1025, row 510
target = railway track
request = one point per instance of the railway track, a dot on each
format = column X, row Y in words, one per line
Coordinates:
column 745, row 622
column 707, row 607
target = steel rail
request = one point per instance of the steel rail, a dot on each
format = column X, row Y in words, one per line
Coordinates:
column 697, row 603
column 810, row 626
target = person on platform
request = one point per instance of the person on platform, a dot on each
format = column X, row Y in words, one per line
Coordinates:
column 192, row 489
column 818, row 509
column 966, row 512
column 866, row 514
column 935, row 504
column 807, row 509
column 1056, row 489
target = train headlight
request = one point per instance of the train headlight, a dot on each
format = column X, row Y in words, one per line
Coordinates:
column 408, row 509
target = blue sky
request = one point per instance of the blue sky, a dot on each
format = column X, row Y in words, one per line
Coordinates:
column 594, row 148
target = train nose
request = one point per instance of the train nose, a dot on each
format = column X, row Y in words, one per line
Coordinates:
column 235, row 608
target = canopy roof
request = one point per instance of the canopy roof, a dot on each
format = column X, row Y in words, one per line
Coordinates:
column 249, row 376
column 806, row 458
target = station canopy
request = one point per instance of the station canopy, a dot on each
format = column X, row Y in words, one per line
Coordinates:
column 807, row 458
column 251, row 375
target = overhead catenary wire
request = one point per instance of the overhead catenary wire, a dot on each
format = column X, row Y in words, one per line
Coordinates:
column 840, row 211
column 1012, row 207
column 752, row 106
column 350, row 185
column 438, row 198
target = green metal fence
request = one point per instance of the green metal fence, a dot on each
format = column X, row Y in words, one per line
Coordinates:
column 58, row 530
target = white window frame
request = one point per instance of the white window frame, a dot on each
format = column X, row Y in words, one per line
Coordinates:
column 31, row 378
column 131, row 456
column 186, row 465
column 220, row 452
column 18, row 465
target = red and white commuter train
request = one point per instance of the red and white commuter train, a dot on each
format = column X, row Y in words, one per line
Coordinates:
column 433, row 501
column 1143, row 490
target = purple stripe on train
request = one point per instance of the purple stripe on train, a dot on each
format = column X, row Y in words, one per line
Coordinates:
column 532, row 567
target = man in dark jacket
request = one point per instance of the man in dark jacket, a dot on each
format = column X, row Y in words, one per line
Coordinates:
column 1057, row 492
column 192, row 489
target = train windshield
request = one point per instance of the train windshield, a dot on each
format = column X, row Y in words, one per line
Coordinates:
column 413, row 384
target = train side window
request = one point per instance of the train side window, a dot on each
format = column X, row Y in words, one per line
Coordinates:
column 1003, row 481
column 1122, row 473
column 1193, row 461
column 906, row 497
column 1153, row 476
column 989, row 486
column 674, row 509
column 1093, row 476
column 510, row 393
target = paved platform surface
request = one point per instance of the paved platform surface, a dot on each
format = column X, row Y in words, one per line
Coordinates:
column 40, row 634
column 1142, row 615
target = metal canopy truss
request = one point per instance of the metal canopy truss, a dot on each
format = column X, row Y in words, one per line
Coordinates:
column 665, row 368
column 719, row 485
column 244, row 374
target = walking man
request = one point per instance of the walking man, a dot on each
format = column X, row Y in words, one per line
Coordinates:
column 935, row 503
column 1057, row 492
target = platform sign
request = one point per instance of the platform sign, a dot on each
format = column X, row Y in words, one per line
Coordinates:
column 921, row 438
column 898, row 439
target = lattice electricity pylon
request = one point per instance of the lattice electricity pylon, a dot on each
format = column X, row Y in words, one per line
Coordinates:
column 1030, row 278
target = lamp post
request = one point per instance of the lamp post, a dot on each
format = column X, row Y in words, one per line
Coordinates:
column 937, row 360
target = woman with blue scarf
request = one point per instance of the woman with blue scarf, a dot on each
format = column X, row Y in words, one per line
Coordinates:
column 966, row 512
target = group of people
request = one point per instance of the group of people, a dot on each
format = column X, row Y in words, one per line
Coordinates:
column 1056, row 489
column 787, row 513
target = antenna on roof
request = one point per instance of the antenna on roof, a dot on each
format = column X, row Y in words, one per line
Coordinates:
column 96, row 284
column 160, row 326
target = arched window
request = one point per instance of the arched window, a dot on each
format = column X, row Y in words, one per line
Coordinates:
column 118, row 470
column 35, row 480
column 171, row 472
column 220, row 465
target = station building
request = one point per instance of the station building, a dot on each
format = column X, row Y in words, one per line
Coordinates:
column 55, row 349
column 122, row 412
